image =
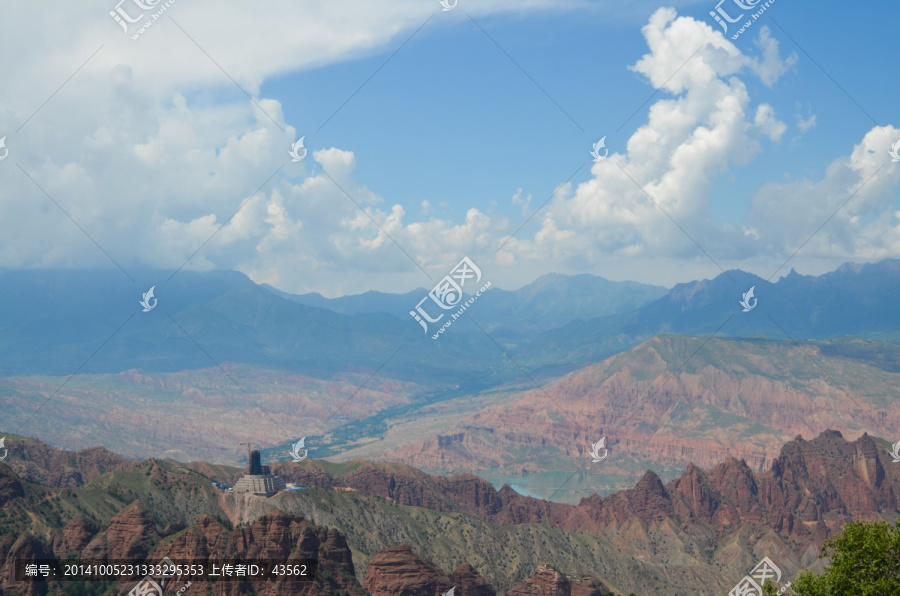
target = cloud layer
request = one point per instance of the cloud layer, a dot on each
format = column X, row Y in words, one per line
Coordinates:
column 158, row 159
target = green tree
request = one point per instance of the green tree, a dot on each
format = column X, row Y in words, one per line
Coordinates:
column 864, row 561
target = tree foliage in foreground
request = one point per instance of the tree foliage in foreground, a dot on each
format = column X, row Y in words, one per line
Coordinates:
column 864, row 561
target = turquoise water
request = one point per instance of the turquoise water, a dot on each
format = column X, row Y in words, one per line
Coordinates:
column 563, row 487
column 522, row 490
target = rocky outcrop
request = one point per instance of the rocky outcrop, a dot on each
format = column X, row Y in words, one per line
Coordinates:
column 274, row 536
column 129, row 536
column 548, row 581
column 24, row 547
column 648, row 501
column 827, row 478
column 132, row 534
column 75, row 537
column 398, row 571
column 37, row 462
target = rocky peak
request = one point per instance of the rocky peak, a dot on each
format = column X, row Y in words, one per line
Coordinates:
column 76, row 536
column 695, row 493
column 649, row 499
column 275, row 535
column 548, row 581
column 398, row 570
column 737, row 490
column 128, row 536
column 25, row 547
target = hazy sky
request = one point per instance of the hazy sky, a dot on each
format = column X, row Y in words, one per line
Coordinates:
column 449, row 129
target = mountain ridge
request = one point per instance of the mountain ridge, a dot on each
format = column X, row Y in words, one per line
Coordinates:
column 668, row 401
column 852, row 300
column 54, row 322
column 697, row 534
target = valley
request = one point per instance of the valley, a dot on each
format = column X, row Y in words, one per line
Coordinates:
column 452, row 460
column 198, row 414
column 664, row 404
column 668, row 402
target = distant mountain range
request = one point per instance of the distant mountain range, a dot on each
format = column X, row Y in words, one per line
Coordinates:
column 549, row 302
column 57, row 322
column 854, row 300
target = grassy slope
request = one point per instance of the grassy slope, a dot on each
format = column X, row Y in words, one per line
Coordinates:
column 504, row 555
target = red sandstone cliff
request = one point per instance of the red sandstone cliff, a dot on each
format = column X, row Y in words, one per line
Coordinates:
column 397, row 571
column 812, row 489
column 548, row 581
column 654, row 408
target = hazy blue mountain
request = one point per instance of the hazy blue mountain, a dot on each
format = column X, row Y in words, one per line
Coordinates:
column 60, row 322
column 550, row 301
column 370, row 302
column 554, row 300
column 856, row 300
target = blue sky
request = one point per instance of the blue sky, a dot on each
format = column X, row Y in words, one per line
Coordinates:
column 450, row 119
column 153, row 144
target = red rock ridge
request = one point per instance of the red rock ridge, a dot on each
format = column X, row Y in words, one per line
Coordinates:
column 398, row 571
column 812, row 489
column 547, row 581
